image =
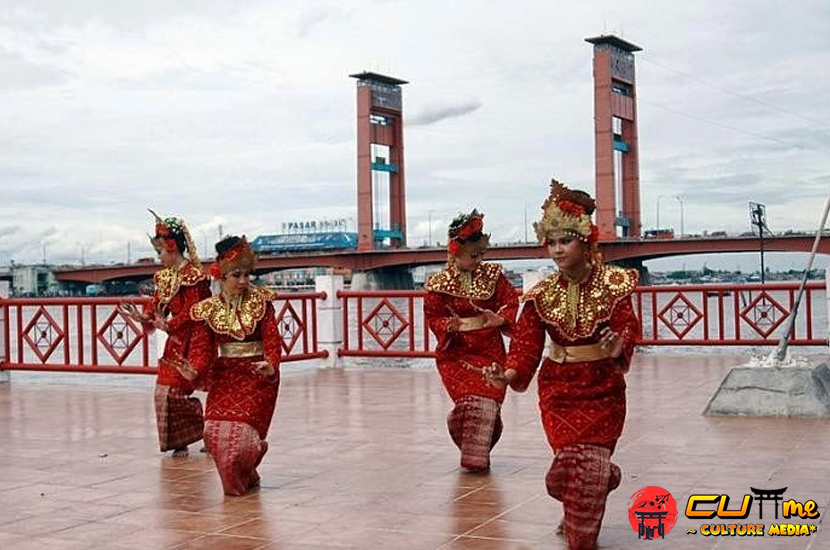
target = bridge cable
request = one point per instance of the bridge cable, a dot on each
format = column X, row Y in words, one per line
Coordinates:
column 817, row 122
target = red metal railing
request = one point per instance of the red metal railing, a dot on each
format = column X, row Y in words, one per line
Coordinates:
column 385, row 324
column 731, row 315
column 390, row 324
column 93, row 335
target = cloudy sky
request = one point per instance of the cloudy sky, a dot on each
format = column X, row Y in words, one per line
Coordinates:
column 242, row 115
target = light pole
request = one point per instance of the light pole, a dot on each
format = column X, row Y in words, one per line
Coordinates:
column 525, row 223
column 681, row 214
column 429, row 241
column 758, row 216
column 658, row 209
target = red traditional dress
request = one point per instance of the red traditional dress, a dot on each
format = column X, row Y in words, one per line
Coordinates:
column 230, row 339
column 475, row 422
column 581, row 389
column 178, row 414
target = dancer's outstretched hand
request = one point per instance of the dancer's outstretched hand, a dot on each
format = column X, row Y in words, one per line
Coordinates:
column 129, row 309
column 611, row 342
column 185, row 369
column 264, row 368
column 496, row 376
column 492, row 319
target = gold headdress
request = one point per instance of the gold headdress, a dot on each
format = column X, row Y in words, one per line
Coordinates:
column 172, row 234
column 465, row 234
column 569, row 212
column 233, row 253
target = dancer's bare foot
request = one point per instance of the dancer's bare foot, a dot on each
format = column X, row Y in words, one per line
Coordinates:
column 475, row 464
column 254, row 480
column 180, row 452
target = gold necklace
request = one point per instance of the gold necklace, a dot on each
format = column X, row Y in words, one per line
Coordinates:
column 573, row 294
column 231, row 308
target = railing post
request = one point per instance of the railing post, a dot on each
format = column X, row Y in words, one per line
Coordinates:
column 330, row 318
column 827, row 298
column 4, row 374
column 160, row 338
column 530, row 278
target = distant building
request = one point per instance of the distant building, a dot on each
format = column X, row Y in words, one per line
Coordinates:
column 33, row 280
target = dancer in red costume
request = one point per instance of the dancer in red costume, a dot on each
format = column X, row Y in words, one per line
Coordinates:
column 238, row 341
column 177, row 287
column 586, row 309
column 469, row 307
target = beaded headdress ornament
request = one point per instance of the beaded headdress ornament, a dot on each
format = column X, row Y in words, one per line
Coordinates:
column 567, row 211
column 232, row 253
column 465, row 234
column 172, row 234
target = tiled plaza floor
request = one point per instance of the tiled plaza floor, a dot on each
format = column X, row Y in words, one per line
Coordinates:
column 360, row 459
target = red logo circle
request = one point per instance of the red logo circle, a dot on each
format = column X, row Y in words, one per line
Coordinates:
column 652, row 512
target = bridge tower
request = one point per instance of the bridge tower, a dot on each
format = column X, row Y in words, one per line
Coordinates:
column 380, row 158
column 615, row 137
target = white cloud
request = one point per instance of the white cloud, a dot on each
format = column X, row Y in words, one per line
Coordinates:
column 243, row 115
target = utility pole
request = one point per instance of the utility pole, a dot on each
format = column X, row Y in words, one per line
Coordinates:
column 757, row 214
column 429, row 241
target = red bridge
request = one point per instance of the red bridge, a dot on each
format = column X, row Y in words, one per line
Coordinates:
column 380, row 163
column 619, row 250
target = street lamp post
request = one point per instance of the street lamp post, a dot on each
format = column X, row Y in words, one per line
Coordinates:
column 681, row 214
column 429, row 242
column 758, row 216
column 658, row 209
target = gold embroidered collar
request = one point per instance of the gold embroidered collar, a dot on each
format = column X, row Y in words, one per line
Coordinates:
column 590, row 303
column 236, row 320
column 476, row 285
column 169, row 279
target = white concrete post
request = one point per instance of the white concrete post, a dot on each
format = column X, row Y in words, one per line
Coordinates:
column 827, row 299
column 4, row 374
column 160, row 338
column 330, row 318
column 530, row 278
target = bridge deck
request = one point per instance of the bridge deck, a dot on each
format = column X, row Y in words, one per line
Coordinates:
column 360, row 459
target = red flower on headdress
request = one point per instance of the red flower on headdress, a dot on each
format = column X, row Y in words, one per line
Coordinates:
column 472, row 227
column 165, row 234
column 570, row 207
column 462, row 229
column 238, row 256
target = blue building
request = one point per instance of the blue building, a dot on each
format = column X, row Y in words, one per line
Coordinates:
column 304, row 242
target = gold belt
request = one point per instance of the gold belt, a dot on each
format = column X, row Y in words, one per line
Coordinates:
column 472, row 323
column 240, row 349
column 577, row 354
